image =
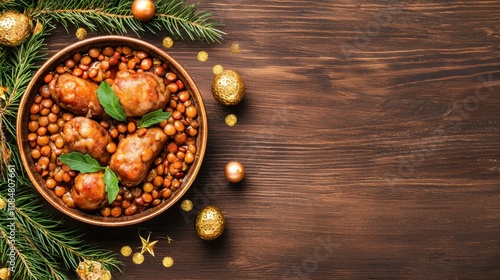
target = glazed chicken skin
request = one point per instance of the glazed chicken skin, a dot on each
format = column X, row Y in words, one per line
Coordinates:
column 140, row 93
column 87, row 136
column 135, row 154
column 89, row 191
column 76, row 95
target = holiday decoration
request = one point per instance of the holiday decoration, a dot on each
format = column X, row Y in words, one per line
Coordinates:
column 168, row 42
column 126, row 251
column 187, row 205
column 47, row 249
column 210, row 223
column 234, row 172
column 138, row 258
column 228, row 88
column 235, row 48
column 148, row 245
column 217, row 69
column 15, row 28
column 91, row 270
column 4, row 273
column 231, row 119
column 81, row 33
column 202, row 56
column 168, row 261
column 143, row 10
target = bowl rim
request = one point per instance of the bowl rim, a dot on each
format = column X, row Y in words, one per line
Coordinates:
column 23, row 146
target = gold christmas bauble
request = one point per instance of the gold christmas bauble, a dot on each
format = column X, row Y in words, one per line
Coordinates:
column 210, row 223
column 15, row 28
column 228, row 88
column 4, row 273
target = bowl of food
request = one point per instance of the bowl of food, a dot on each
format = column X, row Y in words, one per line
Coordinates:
column 112, row 131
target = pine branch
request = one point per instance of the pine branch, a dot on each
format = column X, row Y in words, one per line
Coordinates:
column 41, row 245
column 180, row 20
column 17, row 65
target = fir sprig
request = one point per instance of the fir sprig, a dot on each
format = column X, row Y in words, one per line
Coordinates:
column 180, row 20
column 17, row 66
column 42, row 248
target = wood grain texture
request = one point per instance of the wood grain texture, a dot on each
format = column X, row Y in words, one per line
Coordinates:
column 370, row 136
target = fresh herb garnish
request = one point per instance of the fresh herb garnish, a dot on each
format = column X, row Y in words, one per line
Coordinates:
column 109, row 101
column 111, row 182
column 80, row 162
column 154, row 117
column 86, row 164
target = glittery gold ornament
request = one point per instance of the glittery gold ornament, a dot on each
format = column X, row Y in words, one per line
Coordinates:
column 148, row 245
column 235, row 48
column 15, row 28
column 126, row 251
column 4, row 273
column 3, row 203
column 187, row 205
column 202, row 56
column 168, row 262
column 81, row 33
column 138, row 258
column 231, row 119
column 210, row 223
column 167, row 42
column 217, row 69
column 92, row 270
column 228, row 88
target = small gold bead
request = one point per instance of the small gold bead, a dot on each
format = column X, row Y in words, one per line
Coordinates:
column 138, row 258
column 168, row 42
column 3, row 203
column 202, row 56
column 187, row 205
column 81, row 33
column 217, row 69
column 231, row 120
column 126, row 251
column 235, row 48
column 168, row 262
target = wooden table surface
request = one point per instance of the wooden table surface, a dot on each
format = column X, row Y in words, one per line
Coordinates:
column 370, row 136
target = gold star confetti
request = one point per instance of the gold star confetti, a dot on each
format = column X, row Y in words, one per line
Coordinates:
column 231, row 120
column 202, row 56
column 217, row 69
column 138, row 258
column 235, row 48
column 168, row 42
column 126, row 251
column 168, row 261
column 81, row 33
column 147, row 245
column 170, row 240
column 187, row 205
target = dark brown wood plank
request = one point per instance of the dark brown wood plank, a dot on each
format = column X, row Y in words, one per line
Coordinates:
column 370, row 135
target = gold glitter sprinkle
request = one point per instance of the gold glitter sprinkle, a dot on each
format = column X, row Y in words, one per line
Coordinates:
column 168, row 261
column 231, row 120
column 217, row 69
column 202, row 56
column 138, row 258
column 168, row 42
column 126, row 251
column 235, row 48
column 81, row 33
column 187, row 205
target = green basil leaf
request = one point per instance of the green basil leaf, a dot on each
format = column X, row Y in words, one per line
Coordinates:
column 80, row 162
column 152, row 118
column 109, row 101
column 111, row 182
